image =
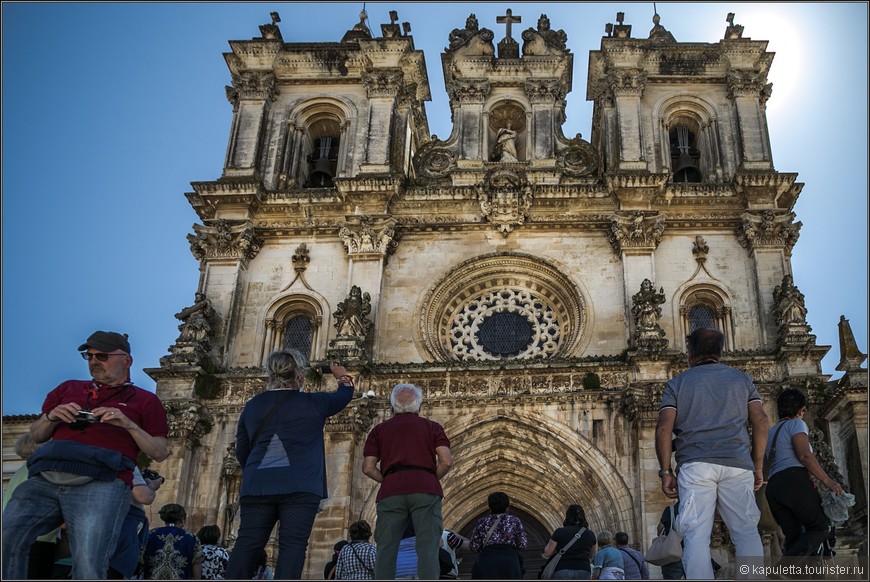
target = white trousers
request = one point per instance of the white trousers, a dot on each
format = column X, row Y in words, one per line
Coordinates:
column 705, row 488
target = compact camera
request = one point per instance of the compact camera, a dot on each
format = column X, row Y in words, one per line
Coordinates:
column 86, row 416
column 152, row 475
column 325, row 369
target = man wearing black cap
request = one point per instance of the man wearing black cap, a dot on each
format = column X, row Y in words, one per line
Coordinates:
column 82, row 476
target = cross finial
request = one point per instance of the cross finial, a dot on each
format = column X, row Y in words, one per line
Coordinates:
column 508, row 19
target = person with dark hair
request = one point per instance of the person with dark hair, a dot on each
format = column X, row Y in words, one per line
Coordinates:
column 706, row 410
column 329, row 568
column 408, row 455
column 635, row 566
column 793, row 498
column 214, row 557
column 498, row 537
column 279, row 445
column 356, row 561
column 171, row 552
column 575, row 563
column 83, row 475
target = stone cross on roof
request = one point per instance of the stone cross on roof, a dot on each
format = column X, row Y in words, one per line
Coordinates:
column 508, row 19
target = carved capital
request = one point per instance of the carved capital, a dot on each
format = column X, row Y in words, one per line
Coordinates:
column 383, row 83
column 748, row 84
column 363, row 237
column 223, row 240
column 630, row 82
column 636, row 230
column 188, row 420
column 642, row 402
column 252, row 85
column 468, row 91
column 546, row 91
column 768, row 229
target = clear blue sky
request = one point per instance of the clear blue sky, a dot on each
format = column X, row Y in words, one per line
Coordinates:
column 110, row 110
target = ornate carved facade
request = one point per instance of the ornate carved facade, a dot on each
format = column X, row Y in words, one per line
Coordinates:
column 537, row 287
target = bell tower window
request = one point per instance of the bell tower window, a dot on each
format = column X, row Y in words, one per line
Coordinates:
column 324, row 135
column 685, row 155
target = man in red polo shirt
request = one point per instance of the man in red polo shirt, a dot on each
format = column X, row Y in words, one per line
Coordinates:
column 82, row 476
column 408, row 455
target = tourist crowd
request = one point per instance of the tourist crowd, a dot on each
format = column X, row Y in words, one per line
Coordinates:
column 76, row 510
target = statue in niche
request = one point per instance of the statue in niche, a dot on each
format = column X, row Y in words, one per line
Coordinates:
column 505, row 149
column 195, row 326
column 646, row 305
column 351, row 315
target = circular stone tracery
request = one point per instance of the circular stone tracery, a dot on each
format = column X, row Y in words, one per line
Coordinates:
column 502, row 307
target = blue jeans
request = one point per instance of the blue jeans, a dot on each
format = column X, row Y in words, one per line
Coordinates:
column 131, row 540
column 704, row 488
column 393, row 513
column 295, row 513
column 93, row 513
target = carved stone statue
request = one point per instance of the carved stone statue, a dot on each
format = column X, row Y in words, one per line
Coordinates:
column 789, row 303
column 351, row 315
column 505, row 149
column 195, row 326
column 646, row 308
column 459, row 37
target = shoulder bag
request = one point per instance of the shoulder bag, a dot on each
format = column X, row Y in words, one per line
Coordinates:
column 551, row 565
column 666, row 549
column 766, row 521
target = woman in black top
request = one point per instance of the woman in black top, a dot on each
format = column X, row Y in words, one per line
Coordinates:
column 575, row 564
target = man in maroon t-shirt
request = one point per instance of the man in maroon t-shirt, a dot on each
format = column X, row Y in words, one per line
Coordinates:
column 407, row 455
column 83, row 475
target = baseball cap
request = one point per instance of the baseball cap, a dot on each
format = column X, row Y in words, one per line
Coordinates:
column 106, row 341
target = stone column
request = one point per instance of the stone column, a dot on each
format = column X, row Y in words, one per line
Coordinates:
column 749, row 92
column 627, row 87
column 250, row 96
column 382, row 87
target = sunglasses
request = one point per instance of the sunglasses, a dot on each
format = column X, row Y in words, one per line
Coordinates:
column 100, row 357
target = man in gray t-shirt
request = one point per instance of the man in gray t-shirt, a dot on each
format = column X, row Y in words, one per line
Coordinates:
column 705, row 410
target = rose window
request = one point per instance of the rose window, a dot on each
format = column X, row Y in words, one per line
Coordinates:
column 507, row 323
column 502, row 307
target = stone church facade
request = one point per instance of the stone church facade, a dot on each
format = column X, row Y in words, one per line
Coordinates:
column 537, row 286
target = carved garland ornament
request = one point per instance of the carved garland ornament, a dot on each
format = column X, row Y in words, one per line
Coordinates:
column 502, row 307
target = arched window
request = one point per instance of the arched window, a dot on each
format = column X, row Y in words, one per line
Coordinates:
column 706, row 306
column 323, row 136
column 295, row 322
column 297, row 334
column 701, row 315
